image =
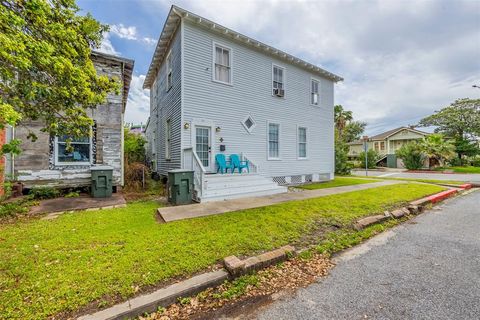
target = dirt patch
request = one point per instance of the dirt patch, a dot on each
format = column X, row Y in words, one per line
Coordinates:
column 231, row 299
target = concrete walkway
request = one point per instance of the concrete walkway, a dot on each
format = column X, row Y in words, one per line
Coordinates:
column 169, row 214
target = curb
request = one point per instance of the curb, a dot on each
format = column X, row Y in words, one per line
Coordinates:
column 160, row 298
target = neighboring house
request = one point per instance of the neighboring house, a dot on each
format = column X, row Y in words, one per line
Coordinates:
column 150, row 146
column 216, row 91
column 46, row 162
column 386, row 144
column 137, row 129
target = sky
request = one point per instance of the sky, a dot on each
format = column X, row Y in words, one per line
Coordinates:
column 401, row 60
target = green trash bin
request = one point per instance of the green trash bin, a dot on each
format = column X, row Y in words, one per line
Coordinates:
column 180, row 186
column 101, row 181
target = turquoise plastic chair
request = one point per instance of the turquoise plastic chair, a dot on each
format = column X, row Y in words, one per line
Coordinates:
column 222, row 165
column 236, row 163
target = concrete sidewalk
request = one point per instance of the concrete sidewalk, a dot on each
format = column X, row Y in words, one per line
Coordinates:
column 169, row 214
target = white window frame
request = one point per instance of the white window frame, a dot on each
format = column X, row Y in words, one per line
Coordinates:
column 75, row 163
column 214, row 54
column 169, row 71
column 311, row 92
column 298, row 143
column 284, row 73
column 279, row 140
column 254, row 124
column 168, row 139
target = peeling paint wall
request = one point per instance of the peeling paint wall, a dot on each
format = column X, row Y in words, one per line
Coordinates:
column 35, row 166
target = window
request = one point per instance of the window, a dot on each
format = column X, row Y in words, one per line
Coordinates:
column 278, row 81
column 169, row 70
column 80, row 154
column 302, row 142
column 314, row 92
column 249, row 124
column 273, row 141
column 382, row 145
column 168, row 139
column 223, row 64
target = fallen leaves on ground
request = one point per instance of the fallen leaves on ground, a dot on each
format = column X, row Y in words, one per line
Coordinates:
column 291, row 274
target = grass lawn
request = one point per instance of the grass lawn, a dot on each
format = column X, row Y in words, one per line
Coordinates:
column 337, row 182
column 49, row 267
column 467, row 169
column 425, row 180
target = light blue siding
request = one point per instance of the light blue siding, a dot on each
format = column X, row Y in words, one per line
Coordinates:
column 167, row 105
column 225, row 106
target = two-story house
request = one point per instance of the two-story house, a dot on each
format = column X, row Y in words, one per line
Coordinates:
column 216, row 91
column 386, row 143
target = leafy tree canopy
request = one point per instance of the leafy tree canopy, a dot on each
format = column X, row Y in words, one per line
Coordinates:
column 347, row 129
column 46, row 72
column 134, row 147
column 460, row 119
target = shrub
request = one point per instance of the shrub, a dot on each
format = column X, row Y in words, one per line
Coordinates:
column 372, row 158
column 41, row 193
column 72, row 194
column 135, row 175
column 412, row 156
column 342, row 166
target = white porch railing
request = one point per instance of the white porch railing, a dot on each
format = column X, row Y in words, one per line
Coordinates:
column 252, row 167
column 198, row 173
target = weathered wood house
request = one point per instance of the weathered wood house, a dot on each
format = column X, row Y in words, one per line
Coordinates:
column 46, row 162
column 214, row 91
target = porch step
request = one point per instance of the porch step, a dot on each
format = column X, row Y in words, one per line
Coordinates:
column 233, row 186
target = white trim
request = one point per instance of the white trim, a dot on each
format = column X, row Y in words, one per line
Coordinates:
column 312, row 79
column 284, row 75
column 306, row 143
column 182, row 87
column 84, row 163
column 230, row 50
column 168, row 66
column 279, row 141
column 204, row 123
column 254, row 123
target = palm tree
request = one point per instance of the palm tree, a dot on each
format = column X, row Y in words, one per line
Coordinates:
column 435, row 146
column 342, row 117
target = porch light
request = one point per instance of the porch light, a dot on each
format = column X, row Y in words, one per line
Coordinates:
column 186, row 125
column 218, row 129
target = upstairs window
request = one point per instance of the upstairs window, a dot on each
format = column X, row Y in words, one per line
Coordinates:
column 80, row 154
column 223, row 64
column 278, row 81
column 273, row 141
column 169, row 71
column 302, row 142
column 314, row 92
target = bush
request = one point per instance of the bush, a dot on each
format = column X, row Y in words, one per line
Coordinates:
column 41, row 193
column 342, row 166
column 412, row 156
column 135, row 175
column 372, row 158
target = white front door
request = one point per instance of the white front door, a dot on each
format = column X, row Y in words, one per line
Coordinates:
column 203, row 146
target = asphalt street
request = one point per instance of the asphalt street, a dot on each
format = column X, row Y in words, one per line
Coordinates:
column 427, row 268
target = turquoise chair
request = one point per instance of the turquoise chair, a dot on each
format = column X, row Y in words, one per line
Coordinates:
column 222, row 164
column 236, row 163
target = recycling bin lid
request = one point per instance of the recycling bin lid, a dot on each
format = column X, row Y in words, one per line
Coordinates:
column 180, row 170
column 94, row 168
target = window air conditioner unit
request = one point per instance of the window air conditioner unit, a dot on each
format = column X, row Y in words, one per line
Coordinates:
column 279, row 92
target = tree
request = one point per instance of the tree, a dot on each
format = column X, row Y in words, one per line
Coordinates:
column 412, row 155
column 346, row 130
column 134, row 147
column 372, row 158
column 435, row 146
column 459, row 121
column 46, row 73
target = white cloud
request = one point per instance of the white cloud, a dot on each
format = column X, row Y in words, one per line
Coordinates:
column 401, row 60
column 107, row 46
column 138, row 104
column 129, row 33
